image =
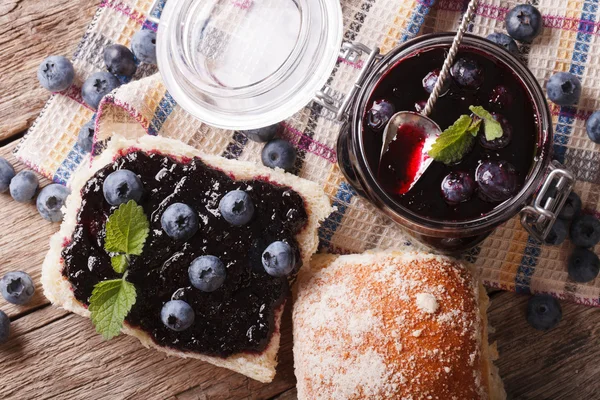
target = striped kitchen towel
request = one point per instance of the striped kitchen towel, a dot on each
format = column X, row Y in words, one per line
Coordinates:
column 509, row 259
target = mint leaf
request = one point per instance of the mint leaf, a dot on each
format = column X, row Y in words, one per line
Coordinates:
column 451, row 146
column 119, row 263
column 493, row 128
column 127, row 229
column 474, row 128
column 110, row 303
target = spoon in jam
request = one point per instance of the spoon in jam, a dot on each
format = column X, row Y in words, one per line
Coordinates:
column 417, row 129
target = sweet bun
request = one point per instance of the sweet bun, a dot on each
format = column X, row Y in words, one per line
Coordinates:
column 392, row 325
column 59, row 291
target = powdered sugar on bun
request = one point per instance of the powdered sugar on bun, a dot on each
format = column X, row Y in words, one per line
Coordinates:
column 390, row 325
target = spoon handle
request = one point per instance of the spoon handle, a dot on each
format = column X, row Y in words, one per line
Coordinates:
column 450, row 57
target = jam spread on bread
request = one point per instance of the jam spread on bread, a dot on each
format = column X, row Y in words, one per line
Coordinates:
column 236, row 317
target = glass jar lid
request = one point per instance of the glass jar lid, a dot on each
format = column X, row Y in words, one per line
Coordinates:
column 245, row 64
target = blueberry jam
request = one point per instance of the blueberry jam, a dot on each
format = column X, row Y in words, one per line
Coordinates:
column 484, row 82
column 236, row 317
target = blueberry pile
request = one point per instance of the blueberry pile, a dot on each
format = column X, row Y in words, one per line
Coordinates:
column 181, row 222
column 16, row 288
column 56, row 74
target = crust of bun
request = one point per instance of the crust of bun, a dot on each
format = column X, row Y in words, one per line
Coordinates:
column 392, row 324
column 58, row 289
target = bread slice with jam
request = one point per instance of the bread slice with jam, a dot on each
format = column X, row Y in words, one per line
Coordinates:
column 238, row 325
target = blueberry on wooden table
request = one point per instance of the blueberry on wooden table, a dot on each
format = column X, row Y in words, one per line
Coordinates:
column 524, row 23
column 56, row 73
column 585, row 231
column 207, row 273
column 379, row 114
column 97, row 86
column 180, row 221
column 121, row 186
column 17, row 287
column 497, row 180
column 4, row 327
column 592, row 127
column 278, row 259
column 119, row 60
column 50, row 201
column 24, row 186
column 143, row 45
column 583, row 265
column 7, row 172
column 262, row 135
column 85, row 138
column 279, row 154
column 505, row 41
column 543, row 312
column 467, row 73
column 237, row 208
column 457, row 187
column 558, row 234
column 177, row 315
column 564, row 89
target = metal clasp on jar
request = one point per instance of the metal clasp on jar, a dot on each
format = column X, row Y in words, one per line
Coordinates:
column 350, row 52
column 539, row 218
column 150, row 17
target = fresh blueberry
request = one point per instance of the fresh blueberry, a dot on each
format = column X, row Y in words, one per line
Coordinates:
column 237, row 207
column 23, row 186
column 524, row 23
column 584, row 265
column 85, row 139
column 497, row 180
column 207, row 273
column 97, row 86
column 50, row 201
column 56, row 73
column 543, row 312
column 279, row 154
column 592, row 126
column 262, row 135
column 379, row 114
column 503, row 140
column 17, row 287
column 177, row 315
column 180, row 221
column 467, row 73
column 7, row 172
column 585, row 231
column 505, row 41
column 558, row 233
column 119, row 60
column 564, row 88
column 4, row 327
column 572, row 207
column 501, row 97
column 431, row 79
column 457, row 187
column 121, row 186
column 143, row 44
column 278, row 259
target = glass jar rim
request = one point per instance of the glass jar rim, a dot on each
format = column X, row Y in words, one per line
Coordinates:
column 502, row 212
column 281, row 93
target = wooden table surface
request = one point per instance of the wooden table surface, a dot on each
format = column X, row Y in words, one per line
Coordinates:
column 54, row 354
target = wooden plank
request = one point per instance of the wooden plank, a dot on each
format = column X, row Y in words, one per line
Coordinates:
column 30, row 30
column 67, row 359
column 24, row 240
column 291, row 394
column 559, row 364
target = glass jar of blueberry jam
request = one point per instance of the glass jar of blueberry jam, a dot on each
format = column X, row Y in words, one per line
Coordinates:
column 454, row 207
